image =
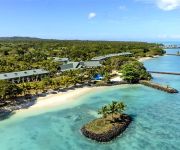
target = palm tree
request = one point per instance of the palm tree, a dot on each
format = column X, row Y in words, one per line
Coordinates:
column 35, row 86
column 121, row 107
column 104, row 111
column 9, row 90
column 26, row 88
column 41, row 86
column 107, row 77
column 47, row 82
column 23, row 86
column 65, row 81
column 112, row 109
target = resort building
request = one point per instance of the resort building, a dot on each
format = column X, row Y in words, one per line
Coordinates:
column 70, row 66
column 62, row 60
column 24, row 76
column 103, row 58
column 91, row 64
column 38, row 74
column 79, row 65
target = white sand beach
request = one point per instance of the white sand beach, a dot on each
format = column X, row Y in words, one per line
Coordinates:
column 147, row 58
column 53, row 101
column 144, row 59
column 116, row 79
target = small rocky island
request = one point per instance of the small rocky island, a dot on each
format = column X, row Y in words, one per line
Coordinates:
column 110, row 125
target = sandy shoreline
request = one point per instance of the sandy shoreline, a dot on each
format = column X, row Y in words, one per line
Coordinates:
column 147, row 58
column 53, row 101
column 144, row 59
column 56, row 100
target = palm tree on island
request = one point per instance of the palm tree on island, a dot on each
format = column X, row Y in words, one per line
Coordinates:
column 113, row 109
column 112, row 123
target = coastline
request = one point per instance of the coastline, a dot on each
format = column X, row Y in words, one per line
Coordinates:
column 52, row 102
column 147, row 58
column 144, row 59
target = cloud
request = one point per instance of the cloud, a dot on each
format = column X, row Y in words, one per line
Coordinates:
column 166, row 5
column 122, row 7
column 92, row 15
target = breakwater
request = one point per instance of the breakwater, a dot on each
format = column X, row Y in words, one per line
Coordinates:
column 170, row 73
column 159, row 87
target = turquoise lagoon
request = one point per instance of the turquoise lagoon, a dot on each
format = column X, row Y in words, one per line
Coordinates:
column 156, row 116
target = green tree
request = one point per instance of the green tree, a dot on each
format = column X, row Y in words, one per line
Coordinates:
column 104, row 111
column 9, row 90
column 112, row 109
column 47, row 82
column 134, row 71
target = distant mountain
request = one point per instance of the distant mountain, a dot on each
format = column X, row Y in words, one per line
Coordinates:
column 17, row 38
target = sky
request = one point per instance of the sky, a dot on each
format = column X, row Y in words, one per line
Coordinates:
column 137, row 20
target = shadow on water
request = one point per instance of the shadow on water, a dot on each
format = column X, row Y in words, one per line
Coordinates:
column 133, row 116
column 29, row 100
column 25, row 102
column 6, row 114
column 22, row 103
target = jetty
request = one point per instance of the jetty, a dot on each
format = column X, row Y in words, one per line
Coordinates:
column 159, row 87
column 173, row 54
column 169, row 73
column 171, row 46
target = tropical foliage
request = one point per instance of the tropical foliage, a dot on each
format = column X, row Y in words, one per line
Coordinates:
column 8, row 90
column 18, row 54
column 112, row 109
column 134, row 71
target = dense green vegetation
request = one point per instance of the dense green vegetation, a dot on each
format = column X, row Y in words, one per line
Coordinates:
column 8, row 90
column 115, row 63
column 134, row 71
column 18, row 54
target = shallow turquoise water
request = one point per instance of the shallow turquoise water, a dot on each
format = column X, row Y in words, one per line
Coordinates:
column 156, row 116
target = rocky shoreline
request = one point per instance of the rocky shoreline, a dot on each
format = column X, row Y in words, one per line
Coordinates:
column 7, row 111
column 117, row 129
